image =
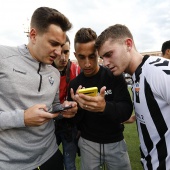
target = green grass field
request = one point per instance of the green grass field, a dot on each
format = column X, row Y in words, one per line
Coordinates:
column 132, row 141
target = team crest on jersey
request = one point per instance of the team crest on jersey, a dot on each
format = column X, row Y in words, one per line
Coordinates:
column 51, row 80
column 137, row 88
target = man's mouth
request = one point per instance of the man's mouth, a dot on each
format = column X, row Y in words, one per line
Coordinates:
column 52, row 58
column 111, row 68
column 87, row 70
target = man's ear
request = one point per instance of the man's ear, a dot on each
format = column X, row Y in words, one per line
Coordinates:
column 167, row 51
column 129, row 43
column 33, row 34
column 75, row 54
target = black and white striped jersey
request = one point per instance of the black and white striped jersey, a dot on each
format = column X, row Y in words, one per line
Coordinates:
column 151, row 95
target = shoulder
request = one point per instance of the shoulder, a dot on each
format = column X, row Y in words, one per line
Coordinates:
column 74, row 66
column 105, row 70
column 7, row 51
column 76, row 80
column 53, row 69
column 156, row 65
column 74, row 70
column 156, row 72
column 107, row 73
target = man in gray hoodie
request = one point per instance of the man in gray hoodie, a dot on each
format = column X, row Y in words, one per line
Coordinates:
column 29, row 92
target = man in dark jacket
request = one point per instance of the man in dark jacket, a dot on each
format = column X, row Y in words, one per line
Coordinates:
column 100, row 117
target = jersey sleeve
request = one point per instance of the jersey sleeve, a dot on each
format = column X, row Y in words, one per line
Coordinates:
column 158, row 76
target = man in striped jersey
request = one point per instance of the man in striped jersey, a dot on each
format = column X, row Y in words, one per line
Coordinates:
column 151, row 92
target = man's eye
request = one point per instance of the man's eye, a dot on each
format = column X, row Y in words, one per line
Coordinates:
column 108, row 54
column 66, row 51
column 55, row 44
column 92, row 56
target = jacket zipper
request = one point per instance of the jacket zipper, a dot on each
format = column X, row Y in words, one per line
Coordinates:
column 39, row 88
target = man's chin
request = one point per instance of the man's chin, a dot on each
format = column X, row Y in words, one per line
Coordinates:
column 63, row 64
column 88, row 74
column 115, row 73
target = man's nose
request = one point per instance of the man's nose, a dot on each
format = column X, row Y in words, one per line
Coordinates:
column 106, row 62
column 87, row 63
column 63, row 56
column 57, row 51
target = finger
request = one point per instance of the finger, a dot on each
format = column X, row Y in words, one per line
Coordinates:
column 41, row 106
column 87, row 98
column 48, row 115
column 102, row 91
column 72, row 93
column 80, row 87
column 73, row 104
column 66, row 103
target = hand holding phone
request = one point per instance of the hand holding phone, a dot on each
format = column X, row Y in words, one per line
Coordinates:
column 61, row 109
column 92, row 91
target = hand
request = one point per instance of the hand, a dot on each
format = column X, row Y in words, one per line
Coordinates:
column 72, row 93
column 37, row 115
column 70, row 112
column 90, row 103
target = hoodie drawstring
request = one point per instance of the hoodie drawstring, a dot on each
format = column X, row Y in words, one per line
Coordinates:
column 102, row 163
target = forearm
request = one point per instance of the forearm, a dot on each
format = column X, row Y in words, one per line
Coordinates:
column 121, row 110
column 11, row 119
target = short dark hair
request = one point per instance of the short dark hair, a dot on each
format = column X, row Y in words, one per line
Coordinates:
column 43, row 17
column 116, row 33
column 85, row 35
column 67, row 39
column 165, row 46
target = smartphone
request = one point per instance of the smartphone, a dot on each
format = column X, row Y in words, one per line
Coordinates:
column 60, row 109
column 92, row 91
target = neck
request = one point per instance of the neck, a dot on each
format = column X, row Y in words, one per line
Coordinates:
column 135, row 61
column 60, row 68
column 31, row 52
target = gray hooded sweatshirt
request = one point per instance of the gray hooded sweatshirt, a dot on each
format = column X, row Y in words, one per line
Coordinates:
column 25, row 82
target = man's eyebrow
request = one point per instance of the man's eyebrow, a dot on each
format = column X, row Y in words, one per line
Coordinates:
column 57, row 43
column 80, row 55
column 92, row 54
column 106, row 53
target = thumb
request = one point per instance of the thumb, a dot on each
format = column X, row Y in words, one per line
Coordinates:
column 102, row 91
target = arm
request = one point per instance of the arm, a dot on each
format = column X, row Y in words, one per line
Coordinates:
column 132, row 119
column 33, row 116
column 122, row 100
column 121, row 106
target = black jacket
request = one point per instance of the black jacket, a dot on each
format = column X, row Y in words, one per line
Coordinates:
column 104, row 127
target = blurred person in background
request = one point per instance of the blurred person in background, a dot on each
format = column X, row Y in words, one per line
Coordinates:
column 166, row 49
column 66, row 130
